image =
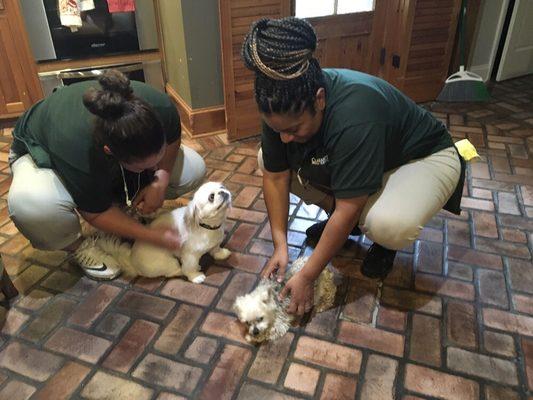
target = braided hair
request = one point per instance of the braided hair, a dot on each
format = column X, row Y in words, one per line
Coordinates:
column 280, row 52
column 125, row 123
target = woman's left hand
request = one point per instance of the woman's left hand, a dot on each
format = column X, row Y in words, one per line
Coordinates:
column 301, row 289
column 150, row 198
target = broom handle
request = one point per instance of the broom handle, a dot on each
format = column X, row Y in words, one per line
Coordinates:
column 462, row 21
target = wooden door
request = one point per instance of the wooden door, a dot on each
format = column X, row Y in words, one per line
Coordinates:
column 19, row 83
column 236, row 16
column 424, row 56
column 517, row 56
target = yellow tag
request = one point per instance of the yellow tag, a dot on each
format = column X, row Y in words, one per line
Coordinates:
column 466, row 150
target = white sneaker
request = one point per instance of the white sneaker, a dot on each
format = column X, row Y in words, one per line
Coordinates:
column 95, row 262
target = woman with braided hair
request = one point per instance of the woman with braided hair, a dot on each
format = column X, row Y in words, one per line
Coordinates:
column 348, row 142
column 95, row 148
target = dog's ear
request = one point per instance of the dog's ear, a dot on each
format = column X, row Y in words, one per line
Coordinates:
column 267, row 294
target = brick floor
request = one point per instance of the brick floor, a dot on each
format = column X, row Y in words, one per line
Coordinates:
column 454, row 320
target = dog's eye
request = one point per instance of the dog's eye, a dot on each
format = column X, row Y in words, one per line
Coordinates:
column 259, row 319
column 211, row 197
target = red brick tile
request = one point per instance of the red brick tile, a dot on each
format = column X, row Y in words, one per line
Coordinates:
column 482, row 193
column 391, row 319
column 248, row 180
column 330, row 355
column 507, row 203
column 360, row 302
column 371, row 338
column 11, row 321
column 34, row 300
column 246, row 262
column 500, row 393
column 63, row 384
column 527, row 194
column 149, row 284
column 499, row 343
column 485, row 224
column 338, row 387
column 460, row 271
column 446, row 287
column 514, row 235
column 473, row 257
column 492, row 289
column 176, row 376
column 227, row 373
column 254, row 217
column 29, row 277
column 246, row 197
column 17, row 390
column 480, row 170
column 224, row 326
column 105, row 386
column 112, row 324
column 169, row 396
column 240, row 284
column 241, row 237
column 407, row 300
column 148, row 306
column 379, row 378
column 523, row 304
column 430, row 257
column 324, row 324
column 461, row 324
column 202, row 349
column 24, row 360
column 14, row 245
column 94, row 305
column 494, row 369
column 508, row 322
column 520, row 274
column 131, row 346
column 432, row 235
column 176, row 331
column 430, row 382
column 527, row 348
column 216, row 275
column 270, row 359
column 251, row 391
column 191, row 292
column 248, row 166
column 220, row 165
column 78, row 344
column 477, row 204
column 48, row 319
column 425, row 343
column 302, row 379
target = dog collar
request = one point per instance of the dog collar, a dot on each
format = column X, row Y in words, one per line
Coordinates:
column 213, row 228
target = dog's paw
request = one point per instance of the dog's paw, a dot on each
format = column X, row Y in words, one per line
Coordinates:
column 222, row 254
column 197, row 277
column 249, row 339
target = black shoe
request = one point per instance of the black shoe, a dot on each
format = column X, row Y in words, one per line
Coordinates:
column 378, row 262
column 315, row 231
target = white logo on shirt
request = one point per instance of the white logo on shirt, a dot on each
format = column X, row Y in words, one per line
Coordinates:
column 320, row 161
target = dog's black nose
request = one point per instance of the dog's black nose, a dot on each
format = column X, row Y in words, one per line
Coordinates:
column 225, row 195
column 255, row 331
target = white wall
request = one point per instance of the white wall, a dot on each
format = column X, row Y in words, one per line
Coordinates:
column 492, row 16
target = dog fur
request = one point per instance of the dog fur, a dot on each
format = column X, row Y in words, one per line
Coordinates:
column 266, row 317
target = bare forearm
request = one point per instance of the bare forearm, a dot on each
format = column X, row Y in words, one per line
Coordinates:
column 165, row 166
column 276, row 192
column 114, row 221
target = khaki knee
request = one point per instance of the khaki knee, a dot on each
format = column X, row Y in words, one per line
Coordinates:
column 391, row 230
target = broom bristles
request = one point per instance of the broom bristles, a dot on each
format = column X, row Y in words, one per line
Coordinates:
column 464, row 91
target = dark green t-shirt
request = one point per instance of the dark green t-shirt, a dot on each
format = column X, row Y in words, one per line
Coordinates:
column 369, row 127
column 58, row 134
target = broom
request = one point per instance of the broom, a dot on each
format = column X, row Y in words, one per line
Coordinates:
column 463, row 86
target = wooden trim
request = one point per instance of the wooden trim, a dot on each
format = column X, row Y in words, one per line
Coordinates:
column 98, row 62
column 201, row 121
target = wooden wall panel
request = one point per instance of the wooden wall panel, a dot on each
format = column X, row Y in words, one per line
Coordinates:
column 236, row 16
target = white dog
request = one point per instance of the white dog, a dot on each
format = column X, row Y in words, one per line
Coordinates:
column 201, row 224
column 266, row 317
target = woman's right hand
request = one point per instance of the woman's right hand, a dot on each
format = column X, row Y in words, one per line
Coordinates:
column 277, row 265
column 167, row 238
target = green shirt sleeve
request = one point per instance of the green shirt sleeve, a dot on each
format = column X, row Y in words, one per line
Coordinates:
column 274, row 150
column 357, row 162
column 171, row 124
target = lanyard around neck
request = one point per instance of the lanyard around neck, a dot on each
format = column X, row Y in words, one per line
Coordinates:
column 128, row 200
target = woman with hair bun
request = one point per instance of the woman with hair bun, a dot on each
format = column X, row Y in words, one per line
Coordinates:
column 350, row 143
column 94, row 148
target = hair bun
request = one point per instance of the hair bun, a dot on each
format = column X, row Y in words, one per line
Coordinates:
column 279, row 48
column 113, row 99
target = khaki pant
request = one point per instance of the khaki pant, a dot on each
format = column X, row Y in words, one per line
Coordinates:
column 409, row 197
column 45, row 213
